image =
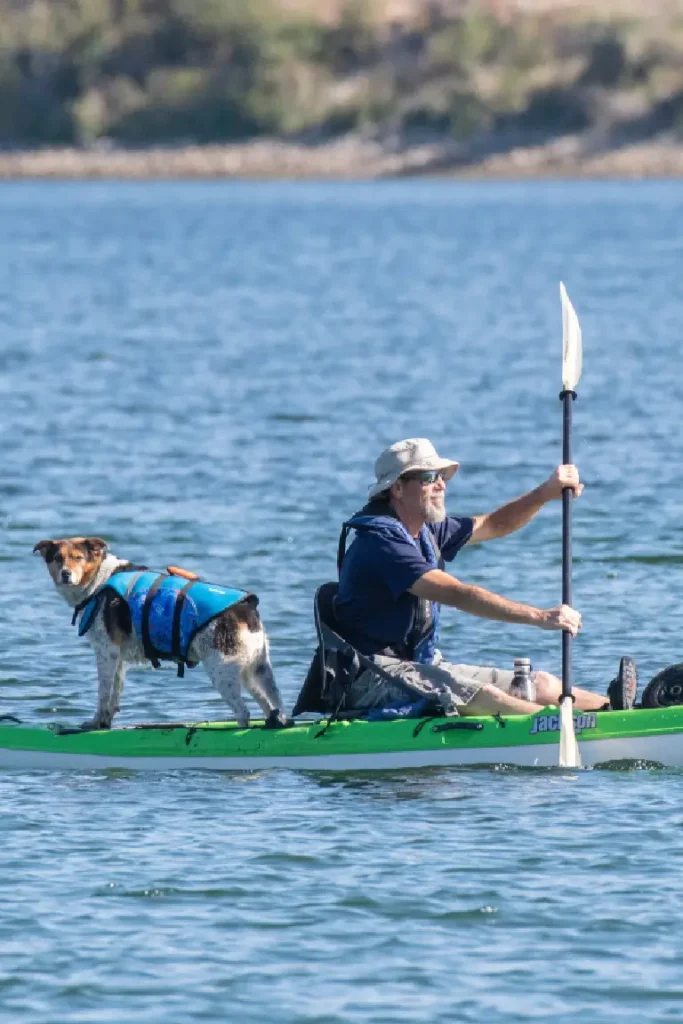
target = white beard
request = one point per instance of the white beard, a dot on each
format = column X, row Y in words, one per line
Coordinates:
column 435, row 513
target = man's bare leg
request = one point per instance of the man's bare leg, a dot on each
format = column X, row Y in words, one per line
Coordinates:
column 489, row 700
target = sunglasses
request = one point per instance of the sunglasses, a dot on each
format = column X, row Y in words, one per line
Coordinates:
column 425, row 476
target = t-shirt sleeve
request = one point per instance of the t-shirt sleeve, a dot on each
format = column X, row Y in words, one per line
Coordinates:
column 452, row 534
column 396, row 560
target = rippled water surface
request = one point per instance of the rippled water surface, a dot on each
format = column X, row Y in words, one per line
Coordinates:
column 203, row 374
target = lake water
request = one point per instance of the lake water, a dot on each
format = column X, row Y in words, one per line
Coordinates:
column 204, row 374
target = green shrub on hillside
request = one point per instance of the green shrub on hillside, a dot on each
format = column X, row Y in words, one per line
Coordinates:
column 353, row 43
column 469, row 41
column 210, row 70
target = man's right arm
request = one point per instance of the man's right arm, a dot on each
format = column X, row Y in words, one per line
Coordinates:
column 436, row 585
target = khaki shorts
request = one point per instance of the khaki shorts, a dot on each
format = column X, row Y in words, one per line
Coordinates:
column 500, row 677
column 447, row 684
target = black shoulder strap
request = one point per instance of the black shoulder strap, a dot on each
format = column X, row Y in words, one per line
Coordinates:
column 341, row 550
column 440, row 564
column 150, row 650
column 175, row 629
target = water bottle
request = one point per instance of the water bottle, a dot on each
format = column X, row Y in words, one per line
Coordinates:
column 522, row 685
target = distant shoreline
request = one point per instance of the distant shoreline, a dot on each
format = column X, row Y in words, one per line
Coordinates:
column 350, row 158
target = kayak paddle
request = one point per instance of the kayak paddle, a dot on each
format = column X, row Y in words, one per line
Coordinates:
column 571, row 371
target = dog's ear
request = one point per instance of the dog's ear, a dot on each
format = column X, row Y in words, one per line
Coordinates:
column 47, row 549
column 96, row 547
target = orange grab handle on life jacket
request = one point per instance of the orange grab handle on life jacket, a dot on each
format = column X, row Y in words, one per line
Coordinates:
column 174, row 570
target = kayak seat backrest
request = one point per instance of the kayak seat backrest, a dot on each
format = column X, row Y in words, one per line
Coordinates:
column 323, row 605
column 335, row 662
column 335, row 665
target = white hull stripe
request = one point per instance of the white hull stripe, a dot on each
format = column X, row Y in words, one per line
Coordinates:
column 666, row 750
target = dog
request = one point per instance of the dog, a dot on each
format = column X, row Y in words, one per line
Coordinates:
column 232, row 646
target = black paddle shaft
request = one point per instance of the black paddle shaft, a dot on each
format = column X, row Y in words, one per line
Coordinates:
column 567, row 398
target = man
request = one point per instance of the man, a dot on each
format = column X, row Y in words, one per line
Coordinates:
column 392, row 583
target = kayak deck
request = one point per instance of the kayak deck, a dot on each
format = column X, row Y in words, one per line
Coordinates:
column 531, row 740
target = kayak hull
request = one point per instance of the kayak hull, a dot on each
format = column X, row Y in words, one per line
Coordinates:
column 652, row 736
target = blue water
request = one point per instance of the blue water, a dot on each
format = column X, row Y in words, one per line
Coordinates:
column 204, row 374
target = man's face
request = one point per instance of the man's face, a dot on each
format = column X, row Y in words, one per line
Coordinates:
column 423, row 493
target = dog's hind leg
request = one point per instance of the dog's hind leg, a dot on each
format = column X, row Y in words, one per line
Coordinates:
column 110, row 678
column 224, row 673
column 257, row 676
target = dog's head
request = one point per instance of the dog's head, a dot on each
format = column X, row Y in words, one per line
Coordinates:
column 72, row 561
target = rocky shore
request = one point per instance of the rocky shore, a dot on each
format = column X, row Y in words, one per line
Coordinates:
column 353, row 157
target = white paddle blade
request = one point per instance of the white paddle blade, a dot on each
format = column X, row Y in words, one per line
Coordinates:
column 572, row 354
column 569, row 748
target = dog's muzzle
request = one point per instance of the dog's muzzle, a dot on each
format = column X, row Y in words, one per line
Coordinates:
column 65, row 576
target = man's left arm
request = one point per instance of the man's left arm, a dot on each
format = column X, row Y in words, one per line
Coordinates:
column 516, row 514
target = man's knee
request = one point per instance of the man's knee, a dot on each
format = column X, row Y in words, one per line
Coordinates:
column 491, row 689
column 548, row 688
column 489, row 699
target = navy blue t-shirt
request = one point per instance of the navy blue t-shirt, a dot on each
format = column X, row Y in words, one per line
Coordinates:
column 373, row 608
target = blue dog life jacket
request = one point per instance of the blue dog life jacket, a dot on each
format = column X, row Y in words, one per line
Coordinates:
column 166, row 610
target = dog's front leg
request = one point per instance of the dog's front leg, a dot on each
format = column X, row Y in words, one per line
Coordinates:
column 119, row 680
column 110, row 676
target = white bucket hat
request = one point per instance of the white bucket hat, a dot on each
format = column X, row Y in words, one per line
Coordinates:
column 403, row 457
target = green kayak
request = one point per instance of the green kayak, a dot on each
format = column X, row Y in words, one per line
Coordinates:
column 529, row 740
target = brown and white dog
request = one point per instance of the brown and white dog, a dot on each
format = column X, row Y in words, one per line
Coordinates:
column 233, row 647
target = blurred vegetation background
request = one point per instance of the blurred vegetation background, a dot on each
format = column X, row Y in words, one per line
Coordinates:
column 176, row 72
